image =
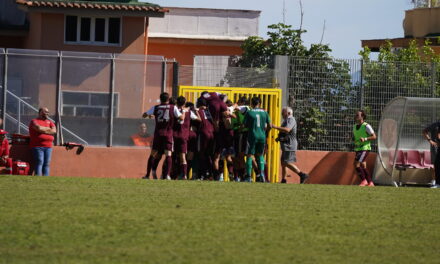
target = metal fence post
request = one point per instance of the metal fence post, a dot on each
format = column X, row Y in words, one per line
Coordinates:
column 59, row 135
column 164, row 76
column 362, row 97
column 112, row 99
column 19, row 117
column 175, row 78
column 433, row 78
column 5, row 89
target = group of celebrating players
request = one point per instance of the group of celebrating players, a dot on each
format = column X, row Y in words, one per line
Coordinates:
column 200, row 137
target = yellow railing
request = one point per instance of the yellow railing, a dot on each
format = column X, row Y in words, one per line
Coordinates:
column 270, row 101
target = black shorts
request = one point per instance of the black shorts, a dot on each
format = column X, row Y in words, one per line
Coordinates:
column 361, row 156
column 240, row 142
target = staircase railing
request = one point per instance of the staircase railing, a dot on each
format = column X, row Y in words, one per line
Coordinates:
column 21, row 125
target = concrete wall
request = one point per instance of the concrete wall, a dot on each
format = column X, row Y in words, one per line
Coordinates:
column 421, row 22
column 206, row 24
column 324, row 167
column 186, row 32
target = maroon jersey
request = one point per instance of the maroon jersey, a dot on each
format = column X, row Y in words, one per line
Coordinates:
column 164, row 116
column 181, row 130
column 215, row 105
column 206, row 127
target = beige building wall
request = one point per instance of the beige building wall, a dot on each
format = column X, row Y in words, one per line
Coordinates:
column 422, row 22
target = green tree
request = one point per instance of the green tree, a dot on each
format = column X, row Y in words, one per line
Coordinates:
column 411, row 72
column 317, row 83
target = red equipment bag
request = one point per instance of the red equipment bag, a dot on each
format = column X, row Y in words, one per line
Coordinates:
column 20, row 167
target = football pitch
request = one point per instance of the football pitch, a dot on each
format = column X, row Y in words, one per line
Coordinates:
column 87, row 220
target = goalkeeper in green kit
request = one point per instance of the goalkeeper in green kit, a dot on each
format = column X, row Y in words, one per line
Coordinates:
column 257, row 121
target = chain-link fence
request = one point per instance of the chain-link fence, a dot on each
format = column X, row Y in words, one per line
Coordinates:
column 325, row 94
column 95, row 98
column 220, row 71
column 99, row 98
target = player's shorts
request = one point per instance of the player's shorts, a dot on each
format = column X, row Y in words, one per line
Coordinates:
column 224, row 139
column 361, row 156
column 205, row 143
column 255, row 146
column 228, row 151
column 180, row 145
column 288, row 156
column 192, row 144
column 240, row 142
column 162, row 143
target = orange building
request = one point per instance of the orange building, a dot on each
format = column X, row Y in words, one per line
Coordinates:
column 420, row 24
column 92, row 26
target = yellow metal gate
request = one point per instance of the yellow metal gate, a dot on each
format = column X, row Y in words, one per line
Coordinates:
column 270, row 101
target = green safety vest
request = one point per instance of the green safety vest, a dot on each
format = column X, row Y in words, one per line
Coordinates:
column 237, row 123
column 358, row 134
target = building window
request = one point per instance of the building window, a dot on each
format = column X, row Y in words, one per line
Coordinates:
column 88, row 104
column 93, row 30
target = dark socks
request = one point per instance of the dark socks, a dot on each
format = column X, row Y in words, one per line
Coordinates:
column 360, row 173
column 367, row 175
column 184, row 169
column 166, row 168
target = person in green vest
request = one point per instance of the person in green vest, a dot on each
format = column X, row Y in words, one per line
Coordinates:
column 240, row 138
column 257, row 121
column 363, row 134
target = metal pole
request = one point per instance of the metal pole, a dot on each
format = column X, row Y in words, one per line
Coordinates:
column 362, row 84
column 19, row 117
column 175, row 78
column 433, row 77
column 164, row 76
column 112, row 99
column 59, row 138
column 5, row 89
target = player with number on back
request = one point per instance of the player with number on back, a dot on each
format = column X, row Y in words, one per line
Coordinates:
column 165, row 115
column 258, row 122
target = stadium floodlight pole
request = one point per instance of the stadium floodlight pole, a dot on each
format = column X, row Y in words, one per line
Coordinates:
column 111, row 102
column 5, row 88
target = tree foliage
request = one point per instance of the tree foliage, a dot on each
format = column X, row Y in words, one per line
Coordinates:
column 413, row 71
column 316, row 81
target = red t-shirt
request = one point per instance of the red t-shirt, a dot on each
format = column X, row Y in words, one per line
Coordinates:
column 4, row 151
column 39, row 139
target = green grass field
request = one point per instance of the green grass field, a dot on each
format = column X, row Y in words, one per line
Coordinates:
column 78, row 220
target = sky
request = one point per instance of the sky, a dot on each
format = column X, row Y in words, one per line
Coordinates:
column 347, row 22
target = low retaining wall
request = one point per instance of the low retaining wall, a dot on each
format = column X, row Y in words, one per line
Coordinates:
column 126, row 162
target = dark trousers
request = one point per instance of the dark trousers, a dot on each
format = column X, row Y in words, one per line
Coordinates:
column 437, row 168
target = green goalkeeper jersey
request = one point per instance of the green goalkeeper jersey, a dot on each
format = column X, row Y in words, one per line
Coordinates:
column 257, row 120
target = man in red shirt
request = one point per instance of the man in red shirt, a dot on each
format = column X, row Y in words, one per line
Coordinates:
column 41, row 132
column 4, row 152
